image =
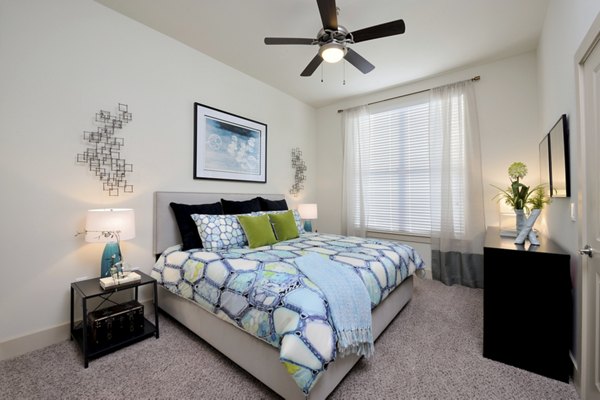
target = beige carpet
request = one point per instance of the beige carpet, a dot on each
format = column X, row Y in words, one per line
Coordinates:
column 432, row 350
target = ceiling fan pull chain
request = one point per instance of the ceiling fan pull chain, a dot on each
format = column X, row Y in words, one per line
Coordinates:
column 344, row 73
column 321, row 73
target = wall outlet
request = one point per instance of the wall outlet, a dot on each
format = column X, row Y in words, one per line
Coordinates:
column 82, row 278
column 573, row 214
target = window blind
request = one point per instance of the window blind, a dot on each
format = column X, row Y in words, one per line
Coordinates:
column 398, row 195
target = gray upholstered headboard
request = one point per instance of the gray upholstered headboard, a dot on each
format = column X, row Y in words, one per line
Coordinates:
column 166, row 232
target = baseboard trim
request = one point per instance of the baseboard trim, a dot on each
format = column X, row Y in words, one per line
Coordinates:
column 24, row 344
column 576, row 377
column 34, row 341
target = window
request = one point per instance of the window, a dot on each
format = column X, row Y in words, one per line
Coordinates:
column 397, row 169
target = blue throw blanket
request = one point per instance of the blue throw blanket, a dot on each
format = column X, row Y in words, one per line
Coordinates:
column 348, row 299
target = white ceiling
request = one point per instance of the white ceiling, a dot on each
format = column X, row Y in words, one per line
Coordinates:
column 441, row 35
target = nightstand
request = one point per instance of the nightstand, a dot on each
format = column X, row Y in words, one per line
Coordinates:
column 91, row 288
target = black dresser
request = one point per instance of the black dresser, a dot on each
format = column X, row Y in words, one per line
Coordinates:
column 527, row 305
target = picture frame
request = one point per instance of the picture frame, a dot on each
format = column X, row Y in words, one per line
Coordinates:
column 228, row 146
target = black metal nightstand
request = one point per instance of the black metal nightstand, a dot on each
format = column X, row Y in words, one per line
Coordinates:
column 91, row 288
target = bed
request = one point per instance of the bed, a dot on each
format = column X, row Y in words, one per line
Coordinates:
column 258, row 353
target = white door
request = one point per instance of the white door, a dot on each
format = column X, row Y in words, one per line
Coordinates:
column 589, row 119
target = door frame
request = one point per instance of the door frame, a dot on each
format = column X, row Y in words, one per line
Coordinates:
column 585, row 374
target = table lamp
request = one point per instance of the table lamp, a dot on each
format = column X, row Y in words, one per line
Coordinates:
column 307, row 212
column 110, row 226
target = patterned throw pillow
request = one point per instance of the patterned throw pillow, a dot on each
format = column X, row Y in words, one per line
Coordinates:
column 219, row 231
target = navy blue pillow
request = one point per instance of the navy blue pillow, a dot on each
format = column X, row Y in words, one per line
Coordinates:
column 240, row 207
column 272, row 205
column 187, row 227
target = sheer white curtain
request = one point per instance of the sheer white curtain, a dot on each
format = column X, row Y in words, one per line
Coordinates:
column 356, row 161
column 457, row 213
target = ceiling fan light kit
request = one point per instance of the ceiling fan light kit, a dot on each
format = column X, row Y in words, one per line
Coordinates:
column 332, row 52
column 333, row 39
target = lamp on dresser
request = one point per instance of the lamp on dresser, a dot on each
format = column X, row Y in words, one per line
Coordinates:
column 110, row 226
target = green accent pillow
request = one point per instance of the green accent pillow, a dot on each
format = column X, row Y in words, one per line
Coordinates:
column 257, row 229
column 284, row 225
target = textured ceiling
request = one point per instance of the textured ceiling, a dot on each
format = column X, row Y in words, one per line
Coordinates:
column 441, row 35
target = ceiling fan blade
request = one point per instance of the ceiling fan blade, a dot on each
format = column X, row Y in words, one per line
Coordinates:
column 280, row 40
column 312, row 66
column 358, row 61
column 328, row 12
column 379, row 31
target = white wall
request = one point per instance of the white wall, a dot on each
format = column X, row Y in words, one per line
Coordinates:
column 565, row 25
column 508, row 119
column 62, row 61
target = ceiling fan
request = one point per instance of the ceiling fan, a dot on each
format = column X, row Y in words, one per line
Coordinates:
column 333, row 39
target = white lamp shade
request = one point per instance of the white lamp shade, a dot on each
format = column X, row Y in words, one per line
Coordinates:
column 120, row 222
column 308, row 211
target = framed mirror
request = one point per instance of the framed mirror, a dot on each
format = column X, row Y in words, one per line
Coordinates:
column 545, row 164
column 558, row 154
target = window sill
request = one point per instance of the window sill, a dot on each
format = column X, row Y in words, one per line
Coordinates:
column 403, row 237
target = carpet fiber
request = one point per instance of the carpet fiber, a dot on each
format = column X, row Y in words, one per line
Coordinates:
column 432, row 350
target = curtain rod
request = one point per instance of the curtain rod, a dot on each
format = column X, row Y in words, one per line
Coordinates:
column 474, row 79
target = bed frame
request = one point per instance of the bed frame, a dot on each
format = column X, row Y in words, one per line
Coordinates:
column 258, row 358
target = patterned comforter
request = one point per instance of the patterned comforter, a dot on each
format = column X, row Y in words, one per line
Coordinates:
column 261, row 290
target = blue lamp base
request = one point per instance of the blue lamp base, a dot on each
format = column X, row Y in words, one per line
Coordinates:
column 308, row 225
column 111, row 249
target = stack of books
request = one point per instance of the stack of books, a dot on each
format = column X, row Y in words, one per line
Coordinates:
column 127, row 277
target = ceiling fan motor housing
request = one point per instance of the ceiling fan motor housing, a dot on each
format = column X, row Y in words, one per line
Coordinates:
column 341, row 35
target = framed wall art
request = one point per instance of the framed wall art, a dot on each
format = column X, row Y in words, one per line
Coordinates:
column 228, row 147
